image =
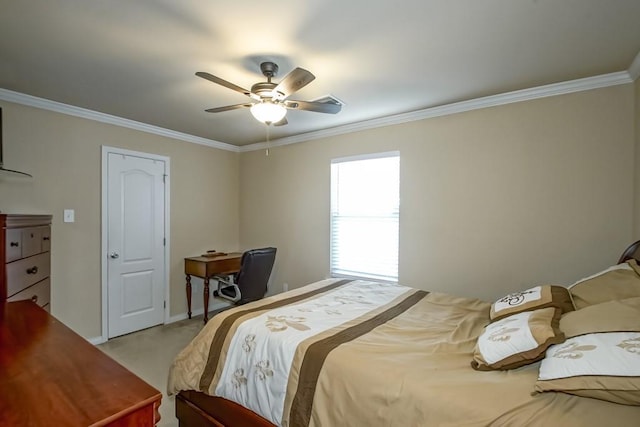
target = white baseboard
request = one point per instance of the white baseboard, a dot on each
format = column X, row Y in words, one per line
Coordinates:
column 215, row 305
column 183, row 316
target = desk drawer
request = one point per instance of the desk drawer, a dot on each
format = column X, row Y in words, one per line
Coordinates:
column 38, row 293
column 27, row 271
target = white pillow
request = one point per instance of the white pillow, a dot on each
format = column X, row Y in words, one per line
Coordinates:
column 517, row 340
column 603, row 366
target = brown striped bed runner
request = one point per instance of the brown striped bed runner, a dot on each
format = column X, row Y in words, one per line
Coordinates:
column 310, row 357
column 221, row 333
column 317, row 352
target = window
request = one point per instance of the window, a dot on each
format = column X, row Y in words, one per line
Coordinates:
column 365, row 207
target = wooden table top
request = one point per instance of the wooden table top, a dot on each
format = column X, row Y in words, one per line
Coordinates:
column 49, row 375
column 205, row 267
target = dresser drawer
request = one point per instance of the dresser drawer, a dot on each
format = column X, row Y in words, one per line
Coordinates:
column 13, row 244
column 26, row 272
column 45, row 235
column 38, row 293
column 22, row 243
column 31, row 241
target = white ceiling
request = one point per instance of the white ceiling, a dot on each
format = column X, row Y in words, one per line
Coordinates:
column 137, row 59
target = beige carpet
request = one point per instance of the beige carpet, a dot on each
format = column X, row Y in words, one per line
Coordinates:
column 149, row 353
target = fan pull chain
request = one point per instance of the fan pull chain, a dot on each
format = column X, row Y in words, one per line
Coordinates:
column 267, row 150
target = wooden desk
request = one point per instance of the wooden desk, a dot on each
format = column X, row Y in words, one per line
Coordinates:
column 50, row 376
column 205, row 268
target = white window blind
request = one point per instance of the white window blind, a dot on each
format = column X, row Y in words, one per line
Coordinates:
column 365, row 207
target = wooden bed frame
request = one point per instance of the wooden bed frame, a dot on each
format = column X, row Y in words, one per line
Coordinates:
column 196, row 409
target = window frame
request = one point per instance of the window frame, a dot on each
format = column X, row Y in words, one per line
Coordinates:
column 332, row 238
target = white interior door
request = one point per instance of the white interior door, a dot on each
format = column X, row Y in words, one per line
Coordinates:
column 135, row 242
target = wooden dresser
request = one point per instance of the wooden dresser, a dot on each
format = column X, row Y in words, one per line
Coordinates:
column 50, row 376
column 26, row 257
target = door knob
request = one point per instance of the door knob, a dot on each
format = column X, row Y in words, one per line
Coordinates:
column 114, row 255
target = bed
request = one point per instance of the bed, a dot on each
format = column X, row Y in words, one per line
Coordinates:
column 358, row 353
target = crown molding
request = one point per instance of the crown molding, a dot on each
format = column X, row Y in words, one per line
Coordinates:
column 579, row 85
column 58, row 107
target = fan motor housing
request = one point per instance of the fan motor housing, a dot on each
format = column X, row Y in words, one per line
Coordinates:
column 264, row 89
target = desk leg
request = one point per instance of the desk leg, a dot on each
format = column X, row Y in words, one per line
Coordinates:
column 206, row 299
column 189, row 295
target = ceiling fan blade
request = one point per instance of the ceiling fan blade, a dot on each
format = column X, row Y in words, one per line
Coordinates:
column 223, row 82
column 318, row 107
column 294, row 81
column 281, row 122
column 228, row 108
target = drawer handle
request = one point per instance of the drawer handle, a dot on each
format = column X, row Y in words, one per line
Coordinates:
column 45, row 238
column 34, row 298
column 32, row 270
column 14, row 244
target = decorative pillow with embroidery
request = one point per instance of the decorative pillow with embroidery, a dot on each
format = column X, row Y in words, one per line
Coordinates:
column 603, row 366
column 614, row 283
column 517, row 340
column 532, row 299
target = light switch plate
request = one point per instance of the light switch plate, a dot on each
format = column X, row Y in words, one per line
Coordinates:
column 69, row 215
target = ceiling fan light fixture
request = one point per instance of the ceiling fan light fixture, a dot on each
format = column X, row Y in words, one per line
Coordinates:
column 269, row 100
column 268, row 112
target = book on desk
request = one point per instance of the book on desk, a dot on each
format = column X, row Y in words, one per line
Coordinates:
column 213, row 254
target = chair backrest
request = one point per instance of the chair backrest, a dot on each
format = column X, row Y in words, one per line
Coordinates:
column 255, row 269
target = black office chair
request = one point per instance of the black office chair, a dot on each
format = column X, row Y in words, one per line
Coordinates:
column 250, row 283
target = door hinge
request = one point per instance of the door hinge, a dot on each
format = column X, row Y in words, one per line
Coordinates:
column 164, row 241
column 164, row 178
column 165, row 304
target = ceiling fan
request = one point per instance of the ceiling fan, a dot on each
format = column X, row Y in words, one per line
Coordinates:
column 269, row 101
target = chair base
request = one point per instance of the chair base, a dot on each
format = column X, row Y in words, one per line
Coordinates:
column 227, row 289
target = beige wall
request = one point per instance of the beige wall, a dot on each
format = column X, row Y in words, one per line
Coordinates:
column 492, row 200
column 63, row 153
